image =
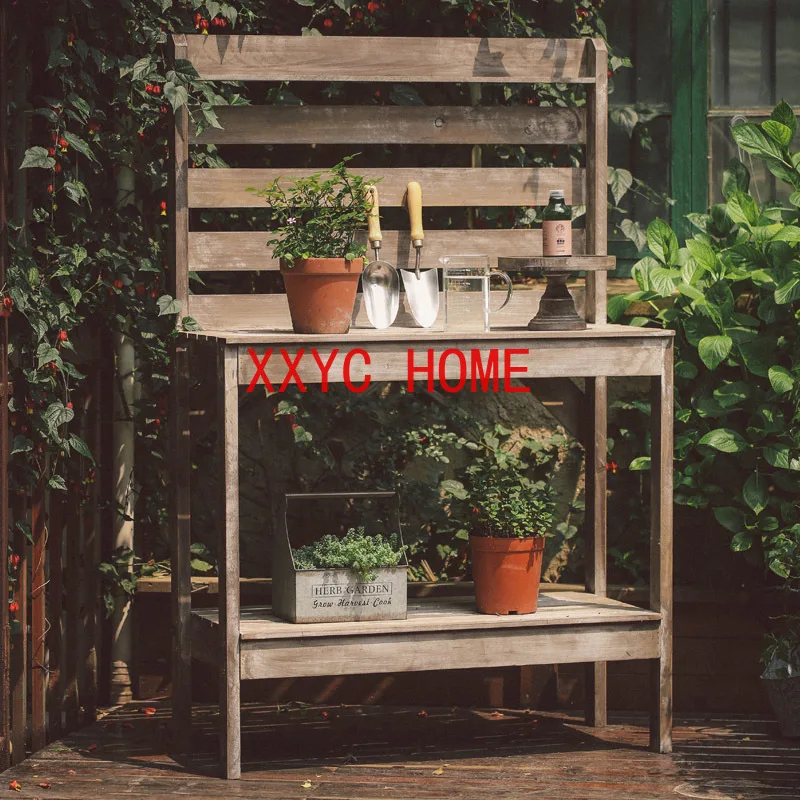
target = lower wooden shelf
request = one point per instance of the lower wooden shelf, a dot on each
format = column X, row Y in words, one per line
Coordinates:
column 439, row 633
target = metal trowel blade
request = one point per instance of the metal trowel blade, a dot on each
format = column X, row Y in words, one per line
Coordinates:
column 423, row 295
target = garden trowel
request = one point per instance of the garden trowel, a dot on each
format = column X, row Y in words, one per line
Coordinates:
column 421, row 285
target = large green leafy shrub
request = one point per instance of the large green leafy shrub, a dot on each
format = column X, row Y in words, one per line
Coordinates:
column 732, row 295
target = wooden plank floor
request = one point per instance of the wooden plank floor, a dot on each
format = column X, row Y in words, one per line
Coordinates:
column 367, row 753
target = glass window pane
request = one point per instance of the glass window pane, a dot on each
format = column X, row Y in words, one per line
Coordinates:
column 787, row 61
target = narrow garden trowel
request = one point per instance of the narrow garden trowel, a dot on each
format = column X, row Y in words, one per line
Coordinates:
column 422, row 286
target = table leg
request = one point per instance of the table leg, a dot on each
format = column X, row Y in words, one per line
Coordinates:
column 595, row 434
column 228, row 557
column 661, row 553
column 180, row 542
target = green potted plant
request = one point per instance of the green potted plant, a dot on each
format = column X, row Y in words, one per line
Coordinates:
column 315, row 222
column 510, row 516
column 781, row 676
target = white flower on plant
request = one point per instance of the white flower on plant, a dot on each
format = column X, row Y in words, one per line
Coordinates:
column 291, row 220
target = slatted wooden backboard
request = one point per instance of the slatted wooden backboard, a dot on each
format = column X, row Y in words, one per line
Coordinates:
column 374, row 59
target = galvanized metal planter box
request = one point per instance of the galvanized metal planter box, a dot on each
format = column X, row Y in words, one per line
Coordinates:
column 336, row 595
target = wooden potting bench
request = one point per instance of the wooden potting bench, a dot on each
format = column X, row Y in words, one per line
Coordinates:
column 247, row 643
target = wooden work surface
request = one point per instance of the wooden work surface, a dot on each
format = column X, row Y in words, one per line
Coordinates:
column 320, row 752
column 441, row 614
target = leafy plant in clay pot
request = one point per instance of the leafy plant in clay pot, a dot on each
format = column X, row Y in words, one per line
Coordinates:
column 316, row 220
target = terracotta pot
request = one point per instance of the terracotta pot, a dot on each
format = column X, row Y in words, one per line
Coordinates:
column 506, row 573
column 321, row 293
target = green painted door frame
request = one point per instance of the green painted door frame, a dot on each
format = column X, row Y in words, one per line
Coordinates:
column 689, row 172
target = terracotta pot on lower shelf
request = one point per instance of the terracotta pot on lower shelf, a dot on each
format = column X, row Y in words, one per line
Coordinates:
column 321, row 293
column 506, row 573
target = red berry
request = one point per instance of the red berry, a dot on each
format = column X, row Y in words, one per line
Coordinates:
column 373, row 7
column 57, row 168
column 14, row 559
column 328, row 23
column 69, row 405
column 70, row 37
column 13, row 606
column 62, row 142
column 152, row 294
column 8, row 303
column 50, row 188
column 204, row 24
column 197, row 17
column 62, row 336
column 51, row 151
column 156, row 89
column 359, row 15
column 140, row 289
column 118, row 283
column 163, row 205
column 54, row 366
column 474, row 16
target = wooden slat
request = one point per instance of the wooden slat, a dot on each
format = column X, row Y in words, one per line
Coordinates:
column 441, row 614
column 227, row 448
column 231, row 251
column 441, row 186
column 178, row 205
column 55, row 623
column 355, row 655
column 596, row 178
column 373, row 58
column 395, row 125
column 661, row 556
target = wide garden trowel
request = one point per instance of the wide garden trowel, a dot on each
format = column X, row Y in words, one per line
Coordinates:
column 421, row 285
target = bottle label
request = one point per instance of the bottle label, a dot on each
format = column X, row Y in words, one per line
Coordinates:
column 557, row 237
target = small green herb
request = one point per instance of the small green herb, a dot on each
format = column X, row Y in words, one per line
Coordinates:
column 355, row 550
column 317, row 217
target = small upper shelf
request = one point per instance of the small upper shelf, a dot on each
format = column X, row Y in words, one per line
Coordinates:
column 557, row 263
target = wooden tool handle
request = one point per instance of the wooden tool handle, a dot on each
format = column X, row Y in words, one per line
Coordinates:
column 414, row 202
column 374, row 217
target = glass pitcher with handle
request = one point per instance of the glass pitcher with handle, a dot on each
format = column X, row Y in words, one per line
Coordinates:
column 468, row 298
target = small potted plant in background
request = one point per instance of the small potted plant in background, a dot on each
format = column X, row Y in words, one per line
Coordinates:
column 316, row 220
column 781, row 676
column 510, row 516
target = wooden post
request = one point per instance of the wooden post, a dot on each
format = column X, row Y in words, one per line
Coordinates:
column 597, row 177
column 74, row 617
column 55, row 629
column 661, row 420
column 228, row 558
column 19, row 655
column 38, row 633
column 180, row 539
column 180, row 543
column 595, row 527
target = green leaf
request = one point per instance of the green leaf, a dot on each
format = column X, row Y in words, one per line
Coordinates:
column 21, row 445
column 686, row 370
column 788, row 292
column 778, row 132
column 45, row 353
column 731, row 394
column 640, row 463
column 784, row 114
column 742, row 209
column 663, row 280
column 730, row 518
column 301, row 434
column 662, row 242
column 57, row 414
column 77, row 444
column 141, row 68
column 777, row 455
column 199, row 565
column 702, row 253
column 619, row 181
column 714, row 350
column 755, row 493
column 455, row 488
column 177, row 95
column 57, row 482
column 634, row 232
column 168, row 305
column 725, row 440
column 743, row 540
column 781, row 379
column 345, row 5
column 788, row 233
column 80, row 145
column 190, row 324
column 618, row 304
column 404, row 95
column 735, row 178
column 752, row 139
column 37, row 157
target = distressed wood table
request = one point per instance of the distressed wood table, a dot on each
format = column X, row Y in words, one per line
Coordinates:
column 247, row 341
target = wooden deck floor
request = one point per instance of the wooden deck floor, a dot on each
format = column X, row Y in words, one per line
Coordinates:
column 332, row 753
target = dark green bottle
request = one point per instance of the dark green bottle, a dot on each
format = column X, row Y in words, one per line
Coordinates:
column 557, row 226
